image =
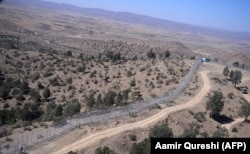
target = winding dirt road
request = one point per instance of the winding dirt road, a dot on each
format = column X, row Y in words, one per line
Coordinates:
column 96, row 137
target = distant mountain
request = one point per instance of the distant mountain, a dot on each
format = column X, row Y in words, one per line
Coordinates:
column 198, row 31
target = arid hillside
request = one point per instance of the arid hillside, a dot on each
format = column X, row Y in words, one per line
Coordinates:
column 60, row 63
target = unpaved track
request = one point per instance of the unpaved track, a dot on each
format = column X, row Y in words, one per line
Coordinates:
column 230, row 125
column 93, row 139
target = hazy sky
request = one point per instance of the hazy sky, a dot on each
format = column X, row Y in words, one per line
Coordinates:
column 223, row 14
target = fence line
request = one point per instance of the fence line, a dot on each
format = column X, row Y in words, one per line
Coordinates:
column 28, row 139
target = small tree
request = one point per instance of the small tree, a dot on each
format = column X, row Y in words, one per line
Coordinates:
column 69, row 53
column 236, row 77
column 109, row 98
column 4, row 91
column 2, row 78
column 58, row 110
column 215, row 104
column 24, row 88
column 192, row 131
column 35, row 95
column 72, row 152
column 91, row 101
column 99, row 101
column 72, row 108
column 231, row 75
column 46, row 93
column 104, row 150
column 167, row 54
column 236, row 64
column 141, row 148
column 151, row 54
column 133, row 83
column 50, row 107
column 244, row 110
column 161, row 130
column 225, row 71
column 221, row 133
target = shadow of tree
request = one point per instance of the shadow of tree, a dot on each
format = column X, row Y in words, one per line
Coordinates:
column 223, row 119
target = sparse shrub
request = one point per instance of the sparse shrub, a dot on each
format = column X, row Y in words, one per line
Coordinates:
column 35, row 76
column 81, row 68
column 72, row 152
column 204, row 134
column 20, row 97
column 217, row 80
column 167, row 54
column 132, row 114
column 200, row 116
column 29, row 112
column 142, row 69
column 69, row 80
column 109, row 98
column 230, row 95
column 156, row 106
column 68, row 53
column 161, row 130
column 141, row 147
column 221, row 132
column 40, row 86
column 135, row 58
column 234, row 130
column 72, row 108
column 54, row 82
column 153, row 95
column 192, row 58
column 129, row 73
column 47, row 74
column 133, row 83
column 90, row 101
column 151, row 54
column 236, row 64
column 8, row 139
column 192, row 131
column 191, row 112
column 24, row 88
column 104, row 150
column 46, row 93
column 136, row 96
column 35, row 95
column 59, row 121
column 132, row 137
column 71, row 87
column 225, row 71
column 92, row 74
column 6, row 105
column 125, row 94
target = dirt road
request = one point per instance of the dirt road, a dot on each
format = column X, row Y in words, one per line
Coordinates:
column 230, row 125
column 98, row 136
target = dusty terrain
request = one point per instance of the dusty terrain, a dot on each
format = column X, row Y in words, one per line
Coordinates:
column 178, row 117
column 78, row 55
column 94, row 138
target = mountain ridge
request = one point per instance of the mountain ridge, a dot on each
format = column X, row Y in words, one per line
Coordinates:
column 133, row 18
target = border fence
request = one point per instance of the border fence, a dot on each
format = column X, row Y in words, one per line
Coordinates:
column 26, row 139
